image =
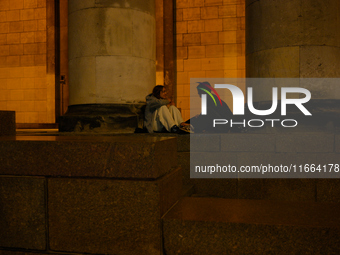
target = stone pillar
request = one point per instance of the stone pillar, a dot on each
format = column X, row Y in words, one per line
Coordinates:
column 165, row 44
column 111, row 63
column 294, row 39
column 169, row 49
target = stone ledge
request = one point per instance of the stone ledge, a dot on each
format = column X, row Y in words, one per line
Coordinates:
column 224, row 226
column 248, row 142
column 328, row 190
column 183, row 140
column 120, row 118
column 88, row 156
column 311, row 142
column 22, row 209
column 278, row 189
column 266, row 142
column 205, row 142
column 105, row 216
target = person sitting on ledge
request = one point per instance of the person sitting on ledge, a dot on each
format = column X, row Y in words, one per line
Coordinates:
column 161, row 115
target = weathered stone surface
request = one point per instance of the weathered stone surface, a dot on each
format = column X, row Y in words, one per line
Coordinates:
column 223, row 226
column 115, row 35
column 22, row 210
column 183, row 143
column 7, row 123
column 170, row 190
column 248, row 142
column 249, row 2
column 320, row 62
column 225, row 188
column 292, row 39
column 316, row 142
column 277, row 63
column 337, row 143
column 102, row 118
column 128, row 72
column 289, row 23
column 110, row 216
column 277, row 189
column 98, row 123
column 222, row 188
column 272, row 25
column 84, row 75
column 221, row 184
column 319, row 23
column 291, row 151
column 95, row 156
column 328, row 190
column 183, row 140
column 205, row 142
column 184, row 163
column 80, row 4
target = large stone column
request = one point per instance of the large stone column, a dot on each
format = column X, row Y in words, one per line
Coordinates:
column 295, row 39
column 111, row 63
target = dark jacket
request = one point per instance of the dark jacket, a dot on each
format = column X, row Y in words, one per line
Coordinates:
column 204, row 123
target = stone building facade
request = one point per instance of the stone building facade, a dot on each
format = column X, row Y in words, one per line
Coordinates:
column 202, row 39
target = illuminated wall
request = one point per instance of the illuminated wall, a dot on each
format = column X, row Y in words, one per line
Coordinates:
column 210, row 43
column 25, row 86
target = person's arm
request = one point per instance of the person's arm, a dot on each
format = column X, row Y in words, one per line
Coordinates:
column 170, row 102
column 156, row 103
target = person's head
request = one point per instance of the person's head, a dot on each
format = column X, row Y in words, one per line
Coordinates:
column 159, row 91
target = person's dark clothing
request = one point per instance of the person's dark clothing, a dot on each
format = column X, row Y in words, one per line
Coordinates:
column 204, row 123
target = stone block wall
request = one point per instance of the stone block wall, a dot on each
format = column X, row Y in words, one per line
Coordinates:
column 210, row 43
column 25, row 86
column 93, row 195
column 256, row 149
